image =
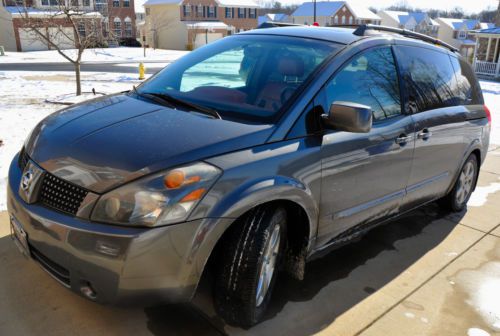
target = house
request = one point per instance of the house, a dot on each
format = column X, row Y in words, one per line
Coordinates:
column 119, row 20
column 419, row 22
column 456, row 32
column 486, row 57
column 329, row 13
column 189, row 24
column 274, row 17
column 16, row 36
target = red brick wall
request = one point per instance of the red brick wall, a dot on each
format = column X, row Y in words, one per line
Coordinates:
column 122, row 13
column 239, row 23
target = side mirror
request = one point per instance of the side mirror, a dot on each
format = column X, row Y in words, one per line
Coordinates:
column 349, row 117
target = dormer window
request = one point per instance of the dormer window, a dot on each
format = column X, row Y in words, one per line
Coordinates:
column 462, row 34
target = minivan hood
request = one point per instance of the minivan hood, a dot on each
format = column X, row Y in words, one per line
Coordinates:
column 106, row 142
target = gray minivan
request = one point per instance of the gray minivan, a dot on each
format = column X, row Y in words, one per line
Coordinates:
column 250, row 155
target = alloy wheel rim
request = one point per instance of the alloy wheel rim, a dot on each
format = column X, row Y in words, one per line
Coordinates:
column 268, row 266
column 466, row 181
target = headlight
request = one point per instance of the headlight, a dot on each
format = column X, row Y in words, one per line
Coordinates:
column 160, row 199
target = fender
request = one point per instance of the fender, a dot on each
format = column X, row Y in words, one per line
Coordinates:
column 474, row 145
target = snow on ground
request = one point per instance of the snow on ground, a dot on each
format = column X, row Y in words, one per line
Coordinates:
column 101, row 55
column 22, row 105
column 23, row 96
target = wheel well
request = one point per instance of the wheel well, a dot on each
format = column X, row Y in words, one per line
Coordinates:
column 298, row 230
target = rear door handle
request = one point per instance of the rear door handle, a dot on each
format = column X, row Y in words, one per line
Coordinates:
column 403, row 139
column 424, row 134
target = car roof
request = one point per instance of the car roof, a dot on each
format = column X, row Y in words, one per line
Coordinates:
column 333, row 34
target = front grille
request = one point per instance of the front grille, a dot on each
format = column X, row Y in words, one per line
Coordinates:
column 57, row 271
column 23, row 159
column 61, row 195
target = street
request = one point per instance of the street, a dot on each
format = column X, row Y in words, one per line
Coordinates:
column 118, row 67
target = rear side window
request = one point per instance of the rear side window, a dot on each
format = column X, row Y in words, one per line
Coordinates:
column 429, row 78
column 371, row 79
column 469, row 91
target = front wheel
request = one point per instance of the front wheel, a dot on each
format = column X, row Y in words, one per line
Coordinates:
column 249, row 264
column 458, row 197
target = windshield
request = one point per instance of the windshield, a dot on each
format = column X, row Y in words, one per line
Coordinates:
column 247, row 77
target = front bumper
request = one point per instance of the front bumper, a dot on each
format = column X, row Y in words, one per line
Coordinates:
column 121, row 264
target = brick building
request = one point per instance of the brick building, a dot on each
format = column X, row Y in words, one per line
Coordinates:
column 193, row 23
column 118, row 19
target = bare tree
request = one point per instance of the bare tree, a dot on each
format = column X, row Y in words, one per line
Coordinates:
column 66, row 25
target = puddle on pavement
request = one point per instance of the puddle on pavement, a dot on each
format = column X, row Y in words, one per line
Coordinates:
column 475, row 297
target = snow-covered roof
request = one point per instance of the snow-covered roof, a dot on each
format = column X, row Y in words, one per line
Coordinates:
column 493, row 30
column 323, row 8
column 458, row 24
column 362, row 12
column 278, row 17
column 36, row 12
column 404, row 17
column 237, row 3
column 162, row 2
column 329, row 8
column 205, row 24
column 486, row 25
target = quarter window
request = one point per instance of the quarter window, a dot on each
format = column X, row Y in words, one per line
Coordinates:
column 469, row 91
column 429, row 78
column 369, row 79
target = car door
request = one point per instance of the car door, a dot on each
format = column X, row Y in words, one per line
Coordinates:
column 440, row 122
column 364, row 175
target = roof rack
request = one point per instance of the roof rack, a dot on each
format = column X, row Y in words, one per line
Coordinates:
column 360, row 31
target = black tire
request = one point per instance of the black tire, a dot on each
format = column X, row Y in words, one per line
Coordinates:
column 452, row 201
column 240, row 263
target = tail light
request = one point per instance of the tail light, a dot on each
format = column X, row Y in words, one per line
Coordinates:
column 488, row 114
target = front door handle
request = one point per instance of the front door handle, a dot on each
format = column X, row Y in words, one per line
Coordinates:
column 424, row 134
column 403, row 139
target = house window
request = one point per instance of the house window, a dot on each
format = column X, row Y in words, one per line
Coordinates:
column 199, row 11
column 126, row 3
column 336, row 19
column 52, row 2
column 81, row 29
column 128, row 27
column 462, row 35
column 100, row 5
column 350, row 20
column 116, row 3
column 187, row 10
column 343, row 20
column 45, row 2
column 86, row 3
column 117, row 27
column 241, row 13
column 252, row 13
column 229, row 12
column 211, row 12
column 74, row 3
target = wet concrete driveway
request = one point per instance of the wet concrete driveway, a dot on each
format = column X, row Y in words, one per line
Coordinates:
column 429, row 273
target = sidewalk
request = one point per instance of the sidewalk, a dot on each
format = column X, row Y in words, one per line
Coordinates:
column 429, row 273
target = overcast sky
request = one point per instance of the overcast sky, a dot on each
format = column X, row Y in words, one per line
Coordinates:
column 469, row 6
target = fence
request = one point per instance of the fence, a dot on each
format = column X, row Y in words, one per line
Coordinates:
column 487, row 68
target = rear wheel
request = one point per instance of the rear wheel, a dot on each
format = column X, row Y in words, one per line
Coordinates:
column 458, row 197
column 248, row 265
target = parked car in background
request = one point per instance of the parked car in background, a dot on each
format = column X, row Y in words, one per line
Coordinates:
column 251, row 155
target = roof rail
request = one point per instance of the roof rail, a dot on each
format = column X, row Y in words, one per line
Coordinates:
column 360, row 31
column 273, row 24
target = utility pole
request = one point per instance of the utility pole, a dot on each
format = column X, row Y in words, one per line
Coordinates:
column 314, row 3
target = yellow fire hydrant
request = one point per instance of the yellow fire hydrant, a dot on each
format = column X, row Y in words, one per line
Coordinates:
column 142, row 70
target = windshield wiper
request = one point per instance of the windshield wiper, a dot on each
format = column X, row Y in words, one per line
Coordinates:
column 153, row 98
column 176, row 101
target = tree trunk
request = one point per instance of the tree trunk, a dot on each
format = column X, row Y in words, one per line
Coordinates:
column 78, row 82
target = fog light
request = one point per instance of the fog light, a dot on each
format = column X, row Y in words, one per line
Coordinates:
column 88, row 291
column 107, row 248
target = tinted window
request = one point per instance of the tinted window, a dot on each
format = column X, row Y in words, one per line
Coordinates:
column 244, row 77
column 428, row 77
column 468, row 90
column 370, row 79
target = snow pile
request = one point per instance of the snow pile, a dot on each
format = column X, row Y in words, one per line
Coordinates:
column 100, row 55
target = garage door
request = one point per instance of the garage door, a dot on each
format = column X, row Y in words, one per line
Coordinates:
column 61, row 37
column 30, row 41
column 202, row 38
